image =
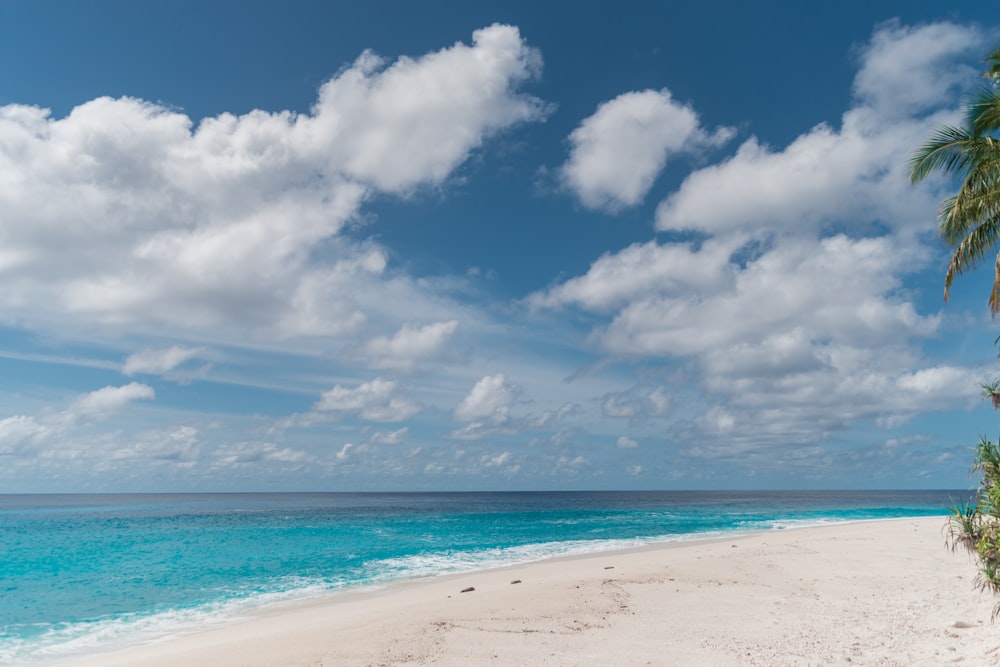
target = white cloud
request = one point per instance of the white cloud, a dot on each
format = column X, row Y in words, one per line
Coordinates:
column 855, row 177
column 791, row 308
column 633, row 404
column 479, row 430
column 803, row 402
column 109, row 400
column 159, row 361
column 717, row 421
column 552, row 417
column 433, row 110
column 787, row 319
column 348, row 451
column 641, row 270
column 618, row 151
column 851, row 177
column 570, row 465
column 70, row 446
column 232, row 456
column 288, row 455
column 941, row 380
column 625, row 442
column 325, row 301
column 786, row 352
column 21, row 431
column 907, row 70
column 410, row 345
column 490, row 398
column 657, row 402
column 173, row 446
column 389, row 437
column 497, row 460
column 786, row 288
column 372, row 401
column 127, row 213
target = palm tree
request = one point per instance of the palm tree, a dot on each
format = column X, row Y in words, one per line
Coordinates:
column 970, row 224
column 970, row 220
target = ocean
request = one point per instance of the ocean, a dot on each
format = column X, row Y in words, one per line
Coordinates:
column 84, row 573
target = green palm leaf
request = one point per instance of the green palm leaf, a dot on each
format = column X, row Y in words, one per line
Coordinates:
column 969, row 220
column 948, row 151
column 982, row 113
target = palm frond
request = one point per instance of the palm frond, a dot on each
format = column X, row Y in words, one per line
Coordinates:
column 993, row 66
column 977, row 203
column 994, row 300
column 982, row 112
column 971, row 250
column 947, row 151
column 961, row 215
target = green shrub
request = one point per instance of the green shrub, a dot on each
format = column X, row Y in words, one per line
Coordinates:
column 975, row 525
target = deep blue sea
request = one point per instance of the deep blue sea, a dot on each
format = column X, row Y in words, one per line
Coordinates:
column 81, row 573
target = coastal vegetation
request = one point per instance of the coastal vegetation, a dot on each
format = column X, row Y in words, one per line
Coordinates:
column 970, row 225
column 975, row 524
column 970, row 219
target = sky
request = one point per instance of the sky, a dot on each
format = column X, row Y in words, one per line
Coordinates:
column 392, row 246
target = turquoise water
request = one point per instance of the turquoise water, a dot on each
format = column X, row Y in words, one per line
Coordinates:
column 81, row 573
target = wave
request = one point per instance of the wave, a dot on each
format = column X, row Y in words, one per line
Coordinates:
column 67, row 640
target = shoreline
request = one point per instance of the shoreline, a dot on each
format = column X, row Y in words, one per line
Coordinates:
column 165, row 626
column 182, row 622
column 883, row 592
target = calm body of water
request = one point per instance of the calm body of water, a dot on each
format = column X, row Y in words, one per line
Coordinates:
column 80, row 573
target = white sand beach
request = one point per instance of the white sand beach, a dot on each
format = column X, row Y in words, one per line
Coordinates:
column 875, row 593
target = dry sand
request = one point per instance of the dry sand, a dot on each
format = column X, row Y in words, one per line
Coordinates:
column 877, row 593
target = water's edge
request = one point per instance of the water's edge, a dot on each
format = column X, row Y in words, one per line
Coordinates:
column 249, row 553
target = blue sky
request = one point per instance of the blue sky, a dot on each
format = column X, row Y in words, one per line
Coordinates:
column 417, row 246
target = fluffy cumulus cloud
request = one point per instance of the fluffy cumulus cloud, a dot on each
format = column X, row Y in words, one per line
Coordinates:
column 644, row 270
column 617, row 152
column 128, row 213
column 410, row 345
column 376, row 401
column 489, row 399
column 773, row 310
column 502, row 459
column 852, row 175
column 787, row 287
column 797, row 278
column 72, row 444
column 636, row 404
column 806, row 398
column 625, row 442
column 907, row 70
column 22, row 432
